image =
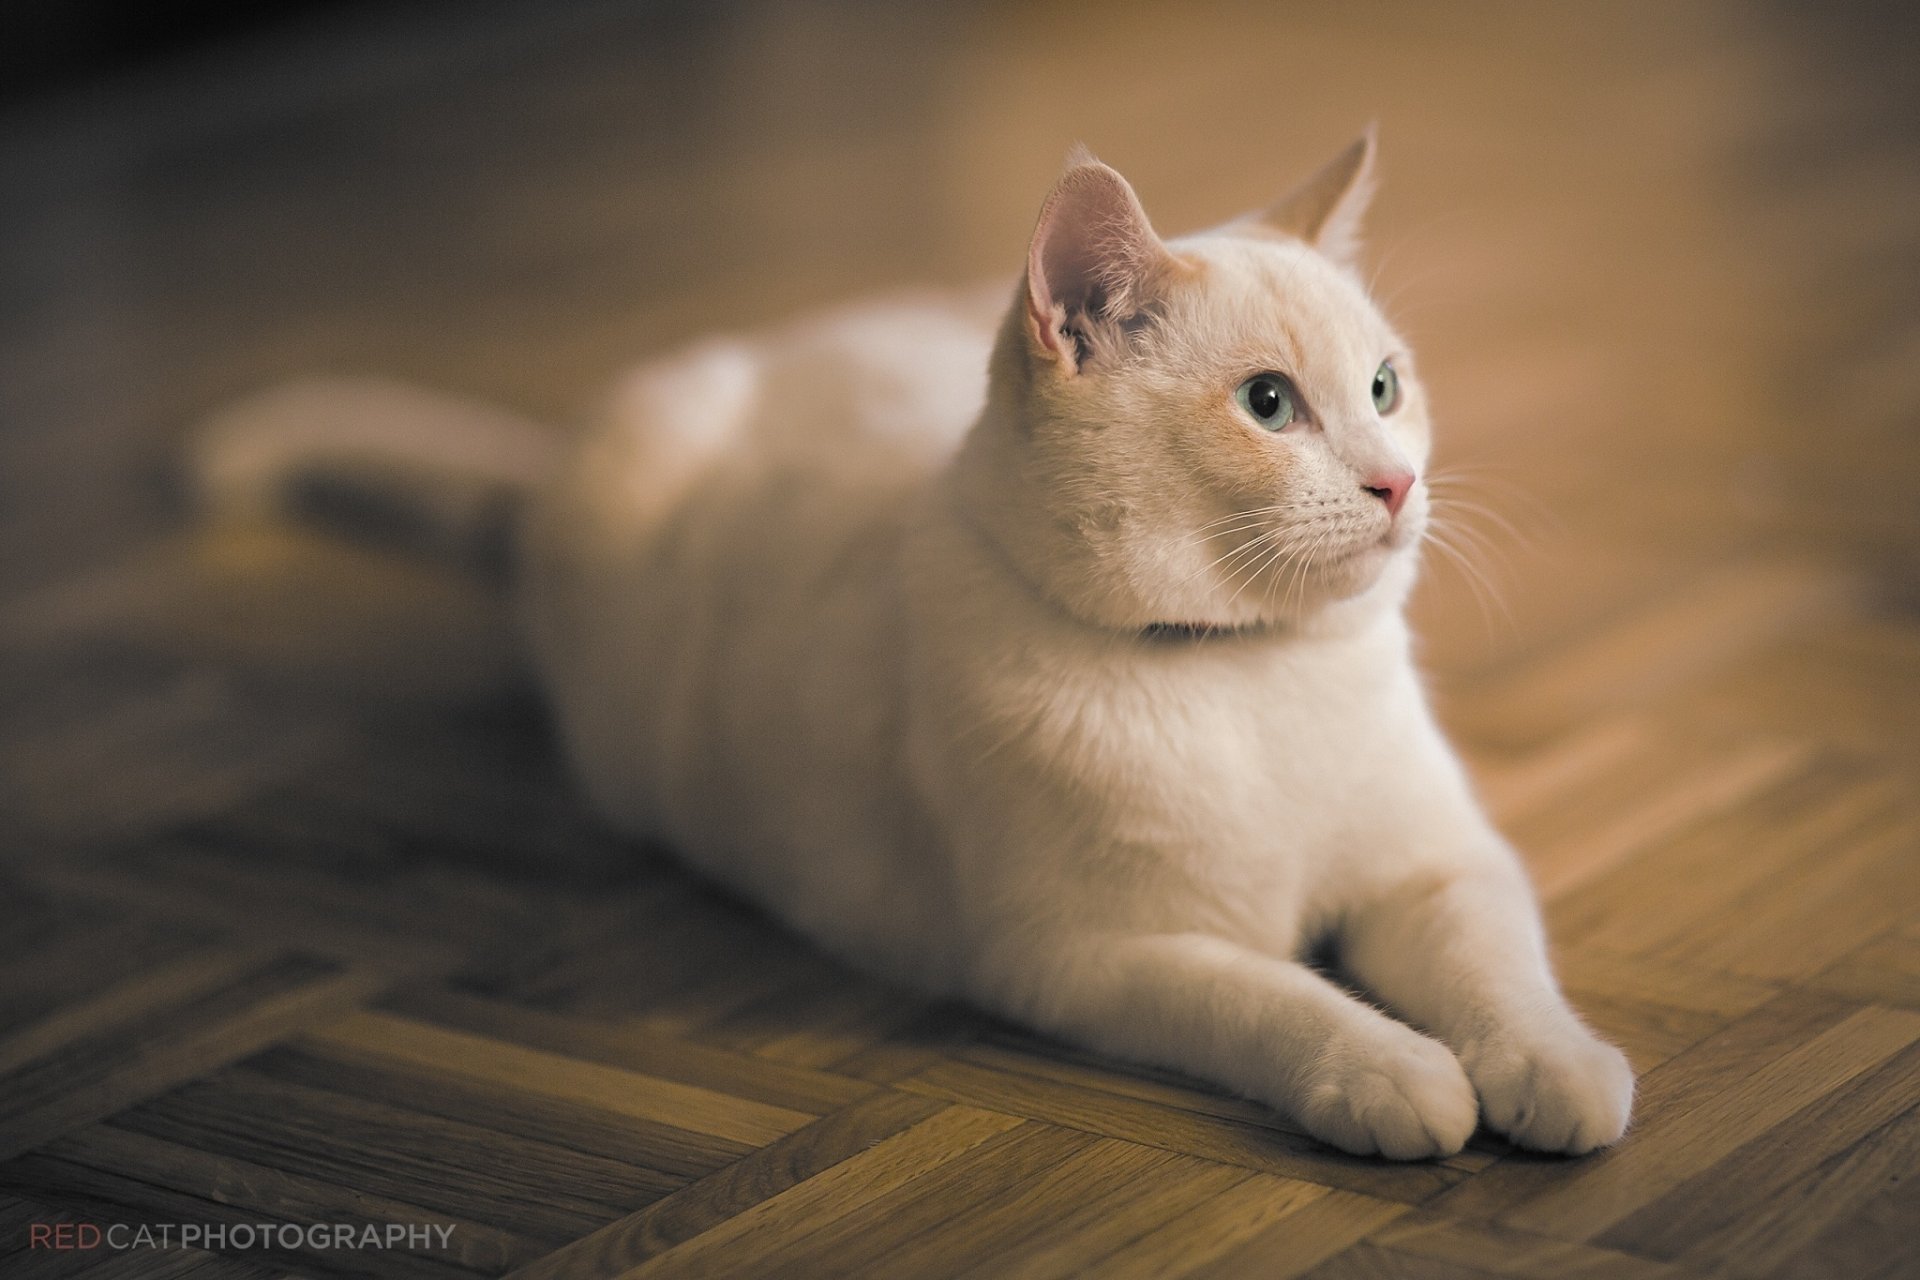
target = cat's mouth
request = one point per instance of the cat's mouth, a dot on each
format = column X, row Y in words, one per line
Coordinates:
column 1360, row 559
column 1355, row 567
column 1396, row 537
column 1404, row 532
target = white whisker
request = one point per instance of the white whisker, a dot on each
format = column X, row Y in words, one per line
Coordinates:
column 1278, row 552
column 1484, row 591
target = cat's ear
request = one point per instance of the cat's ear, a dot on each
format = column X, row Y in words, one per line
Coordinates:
column 1326, row 209
column 1094, row 263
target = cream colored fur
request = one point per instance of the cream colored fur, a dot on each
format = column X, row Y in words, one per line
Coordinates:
column 1017, row 661
column 861, row 628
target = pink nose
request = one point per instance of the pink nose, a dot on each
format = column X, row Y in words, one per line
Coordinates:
column 1391, row 488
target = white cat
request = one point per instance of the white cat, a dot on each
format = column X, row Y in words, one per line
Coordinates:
column 1064, row 667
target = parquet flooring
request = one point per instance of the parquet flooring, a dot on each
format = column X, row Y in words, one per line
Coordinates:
column 302, row 923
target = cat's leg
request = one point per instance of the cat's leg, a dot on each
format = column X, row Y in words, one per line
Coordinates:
column 1272, row 1029
column 1462, row 953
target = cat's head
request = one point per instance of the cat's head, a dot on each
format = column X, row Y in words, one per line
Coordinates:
column 1218, row 431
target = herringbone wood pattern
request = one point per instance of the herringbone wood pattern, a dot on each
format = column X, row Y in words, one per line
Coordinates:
column 302, row 922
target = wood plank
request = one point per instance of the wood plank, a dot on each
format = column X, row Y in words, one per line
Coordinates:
column 1876, row 1238
column 764, row 1230
column 579, row 1126
column 461, row 1167
column 168, row 1044
column 1417, row 1238
column 1837, row 897
column 1300, row 1241
column 1638, row 908
column 1652, row 1009
column 1848, row 685
column 1778, row 1193
column 1666, row 1095
column 1582, row 833
column 123, row 1177
column 937, row 1032
column 1365, row 1261
column 60, row 952
column 818, row 1024
column 1728, row 612
column 261, row 921
column 1210, row 1232
column 1083, row 1235
column 194, row 976
column 1612, row 1186
column 19, row 1213
column 28, row 1263
column 641, row 1049
column 177, row 744
column 957, row 1208
column 1514, row 784
column 732, row 1190
column 1259, row 1145
column 1884, row 970
column 1012, row 1052
column 185, row 1264
column 631, row 1093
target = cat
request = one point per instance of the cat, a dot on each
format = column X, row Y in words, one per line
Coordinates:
column 1058, row 662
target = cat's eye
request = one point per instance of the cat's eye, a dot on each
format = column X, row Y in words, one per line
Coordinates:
column 1386, row 388
column 1268, row 400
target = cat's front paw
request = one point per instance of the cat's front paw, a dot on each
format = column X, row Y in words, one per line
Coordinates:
column 1565, row 1092
column 1397, row 1093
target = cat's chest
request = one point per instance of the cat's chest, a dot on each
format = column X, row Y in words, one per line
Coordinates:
column 1228, row 791
column 1268, row 741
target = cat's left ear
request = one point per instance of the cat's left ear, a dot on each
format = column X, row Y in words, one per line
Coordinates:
column 1327, row 208
column 1094, row 263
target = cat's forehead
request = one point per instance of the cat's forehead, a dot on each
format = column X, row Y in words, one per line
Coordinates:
column 1259, row 290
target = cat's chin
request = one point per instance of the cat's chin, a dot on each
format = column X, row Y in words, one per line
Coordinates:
column 1357, row 571
column 1338, row 580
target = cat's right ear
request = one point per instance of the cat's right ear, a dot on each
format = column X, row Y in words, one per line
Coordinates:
column 1326, row 209
column 1093, row 263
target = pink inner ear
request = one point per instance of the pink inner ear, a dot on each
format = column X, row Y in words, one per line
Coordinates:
column 1045, row 315
column 1091, row 256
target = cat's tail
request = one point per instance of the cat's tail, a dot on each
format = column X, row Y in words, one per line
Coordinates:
column 375, row 458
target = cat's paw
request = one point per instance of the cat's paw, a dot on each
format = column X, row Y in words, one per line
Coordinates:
column 1567, row 1092
column 1395, row 1093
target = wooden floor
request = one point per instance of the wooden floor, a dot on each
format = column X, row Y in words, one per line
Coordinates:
column 301, row 923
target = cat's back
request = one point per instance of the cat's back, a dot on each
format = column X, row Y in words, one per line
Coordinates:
column 739, row 469
column 709, row 587
column 897, row 379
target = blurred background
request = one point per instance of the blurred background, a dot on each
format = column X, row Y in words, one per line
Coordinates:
column 1660, row 262
column 1659, row 259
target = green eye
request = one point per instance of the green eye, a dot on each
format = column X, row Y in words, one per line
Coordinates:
column 1386, row 388
column 1268, row 399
